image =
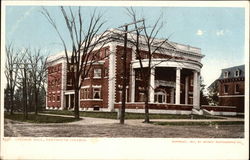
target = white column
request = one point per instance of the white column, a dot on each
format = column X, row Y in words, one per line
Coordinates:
column 186, row 89
column 172, row 96
column 178, row 86
column 196, row 91
column 152, row 86
column 112, row 78
column 132, row 85
column 69, row 101
column 133, row 53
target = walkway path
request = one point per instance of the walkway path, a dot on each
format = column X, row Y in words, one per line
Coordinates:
column 100, row 127
column 90, row 120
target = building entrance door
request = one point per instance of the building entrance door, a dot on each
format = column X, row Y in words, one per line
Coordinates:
column 160, row 97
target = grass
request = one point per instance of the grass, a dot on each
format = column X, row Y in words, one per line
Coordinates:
column 199, row 123
column 113, row 115
column 32, row 118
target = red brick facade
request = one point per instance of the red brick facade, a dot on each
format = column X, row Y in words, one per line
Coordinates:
column 54, row 85
column 101, row 89
column 231, row 88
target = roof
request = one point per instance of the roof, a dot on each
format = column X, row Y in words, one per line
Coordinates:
column 231, row 72
column 113, row 33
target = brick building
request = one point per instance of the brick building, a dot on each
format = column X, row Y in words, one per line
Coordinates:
column 175, row 82
column 231, row 87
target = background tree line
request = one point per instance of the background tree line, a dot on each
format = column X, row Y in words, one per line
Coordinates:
column 25, row 71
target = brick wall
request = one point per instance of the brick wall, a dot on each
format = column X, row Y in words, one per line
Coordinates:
column 54, row 86
column 232, row 98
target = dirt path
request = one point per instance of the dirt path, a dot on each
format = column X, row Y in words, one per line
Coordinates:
column 98, row 127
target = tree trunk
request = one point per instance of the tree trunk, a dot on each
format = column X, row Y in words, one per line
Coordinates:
column 36, row 96
column 25, row 98
column 36, row 101
column 76, row 110
column 147, row 87
column 146, row 120
column 11, row 102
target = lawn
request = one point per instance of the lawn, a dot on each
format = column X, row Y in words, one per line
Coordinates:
column 32, row 118
column 113, row 115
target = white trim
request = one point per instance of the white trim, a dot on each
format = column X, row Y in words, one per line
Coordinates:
column 88, row 86
column 96, row 86
column 233, row 96
column 170, row 63
column 69, row 92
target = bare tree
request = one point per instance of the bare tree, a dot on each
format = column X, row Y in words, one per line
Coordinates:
column 11, row 69
column 84, row 43
column 24, row 69
column 37, row 73
column 146, row 37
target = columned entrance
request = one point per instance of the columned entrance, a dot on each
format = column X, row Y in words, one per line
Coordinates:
column 70, row 100
column 172, row 85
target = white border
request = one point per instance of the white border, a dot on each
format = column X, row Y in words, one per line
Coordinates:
column 129, row 148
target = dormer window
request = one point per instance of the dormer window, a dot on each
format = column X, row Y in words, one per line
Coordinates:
column 237, row 73
column 226, row 73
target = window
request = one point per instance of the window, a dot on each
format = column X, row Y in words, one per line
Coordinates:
column 97, row 73
column 237, row 88
column 58, row 97
column 106, row 53
column 86, row 93
column 138, row 77
column 237, row 73
column 106, row 72
column 70, row 82
column 226, row 73
column 226, row 89
column 97, row 93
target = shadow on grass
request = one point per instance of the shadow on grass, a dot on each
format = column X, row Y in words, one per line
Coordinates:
column 32, row 118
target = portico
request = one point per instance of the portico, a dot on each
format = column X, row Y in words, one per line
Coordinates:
column 171, row 82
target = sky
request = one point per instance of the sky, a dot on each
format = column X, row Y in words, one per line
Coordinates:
column 219, row 32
